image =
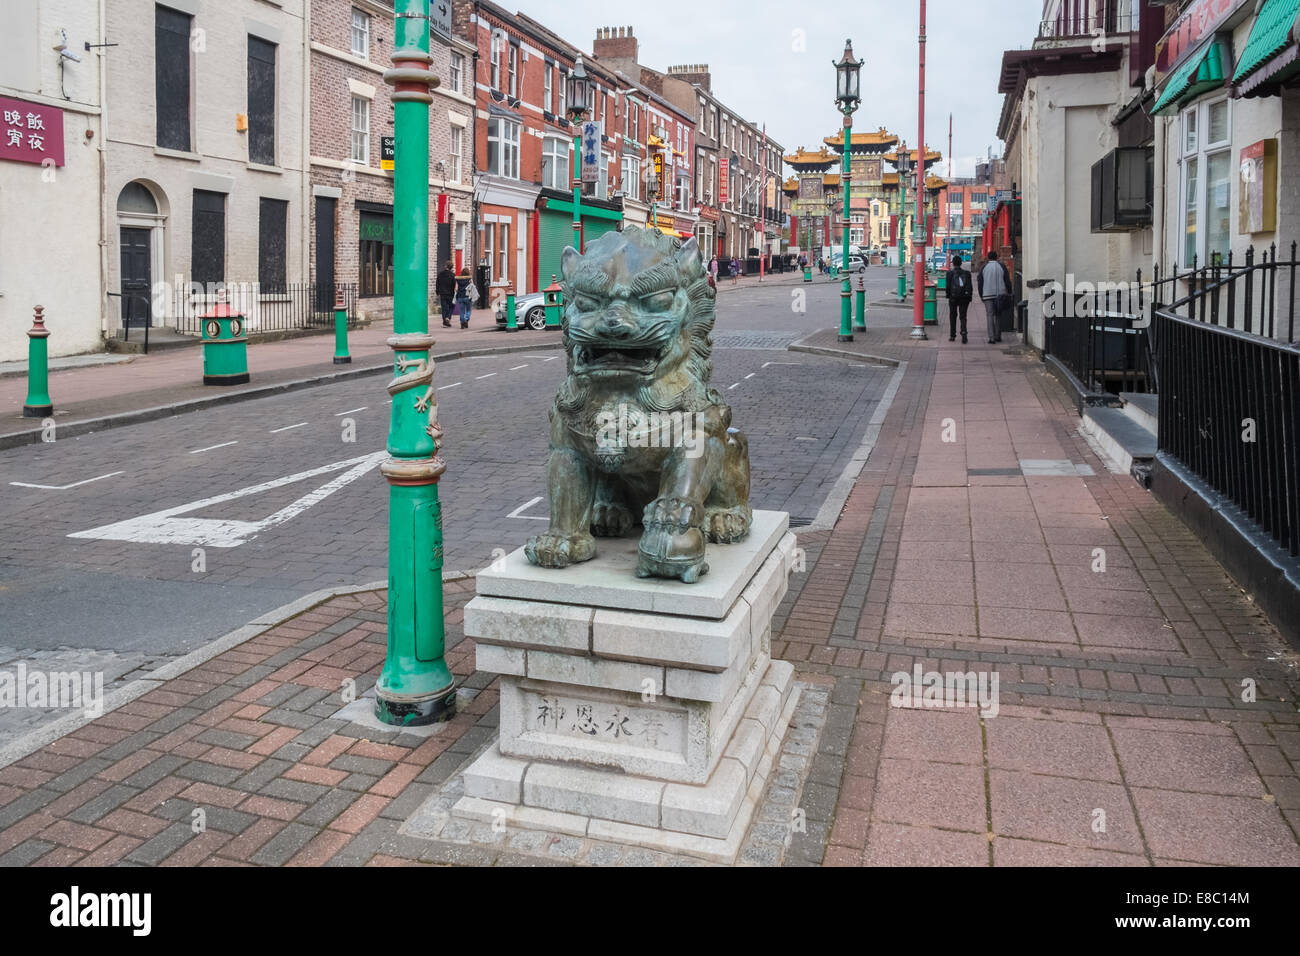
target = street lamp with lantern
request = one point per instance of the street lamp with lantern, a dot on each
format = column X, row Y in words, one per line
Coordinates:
column 847, row 98
column 578, row 95
column 904, row 165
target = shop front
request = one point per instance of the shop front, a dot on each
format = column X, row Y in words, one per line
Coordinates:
column 555, row 230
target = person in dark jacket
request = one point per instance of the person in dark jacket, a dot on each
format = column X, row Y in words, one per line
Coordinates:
column 445, row 286
column 959, row 290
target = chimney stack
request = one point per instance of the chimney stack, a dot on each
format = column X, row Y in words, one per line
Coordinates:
column 615, row 43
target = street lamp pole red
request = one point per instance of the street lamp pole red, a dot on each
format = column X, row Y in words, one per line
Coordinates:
column 918, row 230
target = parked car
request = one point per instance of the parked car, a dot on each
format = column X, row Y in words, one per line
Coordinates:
column 857, row 262
column 530, row 311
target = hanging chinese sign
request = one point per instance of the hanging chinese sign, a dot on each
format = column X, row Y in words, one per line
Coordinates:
column 591, row 139
column 30, row 132
column 723, row 166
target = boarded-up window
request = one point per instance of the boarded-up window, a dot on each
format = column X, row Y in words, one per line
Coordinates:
column 208, row 249
column 261, row 101
column 172, row 78
column 271, row 242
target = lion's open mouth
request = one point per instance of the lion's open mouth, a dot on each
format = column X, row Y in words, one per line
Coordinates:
column 594, row 359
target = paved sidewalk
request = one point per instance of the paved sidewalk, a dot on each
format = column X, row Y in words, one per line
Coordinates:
column 175, row 376
column 970, row 543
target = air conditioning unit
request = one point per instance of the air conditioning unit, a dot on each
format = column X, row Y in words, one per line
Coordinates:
column 1123, row 189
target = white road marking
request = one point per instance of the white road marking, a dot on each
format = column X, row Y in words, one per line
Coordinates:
column 224, row 444
column 452, row 385
column 166, row 527
column 766, row 364
column 488, row 375
column 518, row 367
column 730, row 387
column 551, row 359
column 805, row 439
column 524, row 507
column 350, row 411
column 287, row 427
column 75, row 484
column 751, row 375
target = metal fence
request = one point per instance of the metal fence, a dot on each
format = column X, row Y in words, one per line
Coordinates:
column 297, row 305
column 1229, row 412
column 1098, row 333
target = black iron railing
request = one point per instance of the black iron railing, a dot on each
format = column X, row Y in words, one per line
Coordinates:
column 1241, row 294
column 297, row 305
column 1099, row 334
column 1229, row 412
column 128, row 317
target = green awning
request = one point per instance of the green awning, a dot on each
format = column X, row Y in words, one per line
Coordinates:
column 1200, row 73
column 1269, row 36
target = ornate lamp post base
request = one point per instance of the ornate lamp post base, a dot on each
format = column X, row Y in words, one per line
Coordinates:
column 416, row 712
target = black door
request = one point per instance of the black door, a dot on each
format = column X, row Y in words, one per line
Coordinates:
column 136, row 278
column 324, row 253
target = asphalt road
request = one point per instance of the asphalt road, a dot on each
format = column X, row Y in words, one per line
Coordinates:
column 139, row 544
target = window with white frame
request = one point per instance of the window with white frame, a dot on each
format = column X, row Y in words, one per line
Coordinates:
column 713, row 178
column 547, row 87
column 631, row 177
column 512, row 65
column 494, row 57
column 602, row 187
column 454, row 152
column 360, row 33
column 503, row 253
column 699, row 173
column 503, row 147
column 360, row 130
column 683, row 193
column 555, row 162
column 456, row 79
column 460, row 241
column 1206, row 161
column 489, row 243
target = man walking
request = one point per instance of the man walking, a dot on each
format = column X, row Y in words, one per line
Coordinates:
column 995, row 290
column 959, row 291
column 445, row 286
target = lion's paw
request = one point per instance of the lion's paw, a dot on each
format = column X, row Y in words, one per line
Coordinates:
column 727, row 525
column 669, row 512
column 611, row 520
column 553, row 550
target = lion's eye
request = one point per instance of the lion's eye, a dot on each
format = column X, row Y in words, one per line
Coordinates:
column 585, row 303
column 658, row 301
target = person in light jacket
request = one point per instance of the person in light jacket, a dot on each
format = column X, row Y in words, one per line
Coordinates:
column 995, row 291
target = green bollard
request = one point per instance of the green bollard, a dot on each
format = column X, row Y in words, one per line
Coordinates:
column 807, row 273
column 512, row 321
column 860, row 309
column 38, row 403
column 225, row 347
column 341, row 356
column 554, row 299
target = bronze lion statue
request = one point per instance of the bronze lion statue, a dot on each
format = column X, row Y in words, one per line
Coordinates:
column 636, row 430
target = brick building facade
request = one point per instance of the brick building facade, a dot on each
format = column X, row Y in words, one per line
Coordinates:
column 351, row 224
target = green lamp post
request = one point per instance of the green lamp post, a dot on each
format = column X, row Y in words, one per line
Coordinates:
column 847, row 97
column 415, row 686
column 578, row 95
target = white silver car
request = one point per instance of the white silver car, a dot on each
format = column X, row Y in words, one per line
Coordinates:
column 530, row 311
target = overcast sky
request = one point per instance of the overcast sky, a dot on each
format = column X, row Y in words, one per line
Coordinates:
column 749, row 46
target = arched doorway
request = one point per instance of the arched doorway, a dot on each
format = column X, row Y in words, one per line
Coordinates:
column 140, row 231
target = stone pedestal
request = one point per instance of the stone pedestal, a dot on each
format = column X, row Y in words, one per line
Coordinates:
column 639, row 710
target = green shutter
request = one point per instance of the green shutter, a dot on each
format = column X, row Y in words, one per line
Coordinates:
column 554, row 232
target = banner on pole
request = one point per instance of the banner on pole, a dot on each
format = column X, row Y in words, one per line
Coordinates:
column 591, row 139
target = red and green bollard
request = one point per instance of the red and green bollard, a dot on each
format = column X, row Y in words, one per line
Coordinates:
column 38, row 403
column 553, row 298
column 415, row 686
column 341, row 356
column 225, row 346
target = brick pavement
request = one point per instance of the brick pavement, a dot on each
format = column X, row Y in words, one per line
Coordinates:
column 1121, row 735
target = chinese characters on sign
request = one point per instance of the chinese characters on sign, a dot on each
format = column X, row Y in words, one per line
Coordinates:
column 30, row 133
column 723, row 166
column 591, row 138
column 596, row 719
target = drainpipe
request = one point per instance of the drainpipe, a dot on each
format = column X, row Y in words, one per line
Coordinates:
column 104, row 240
column 306, row 203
